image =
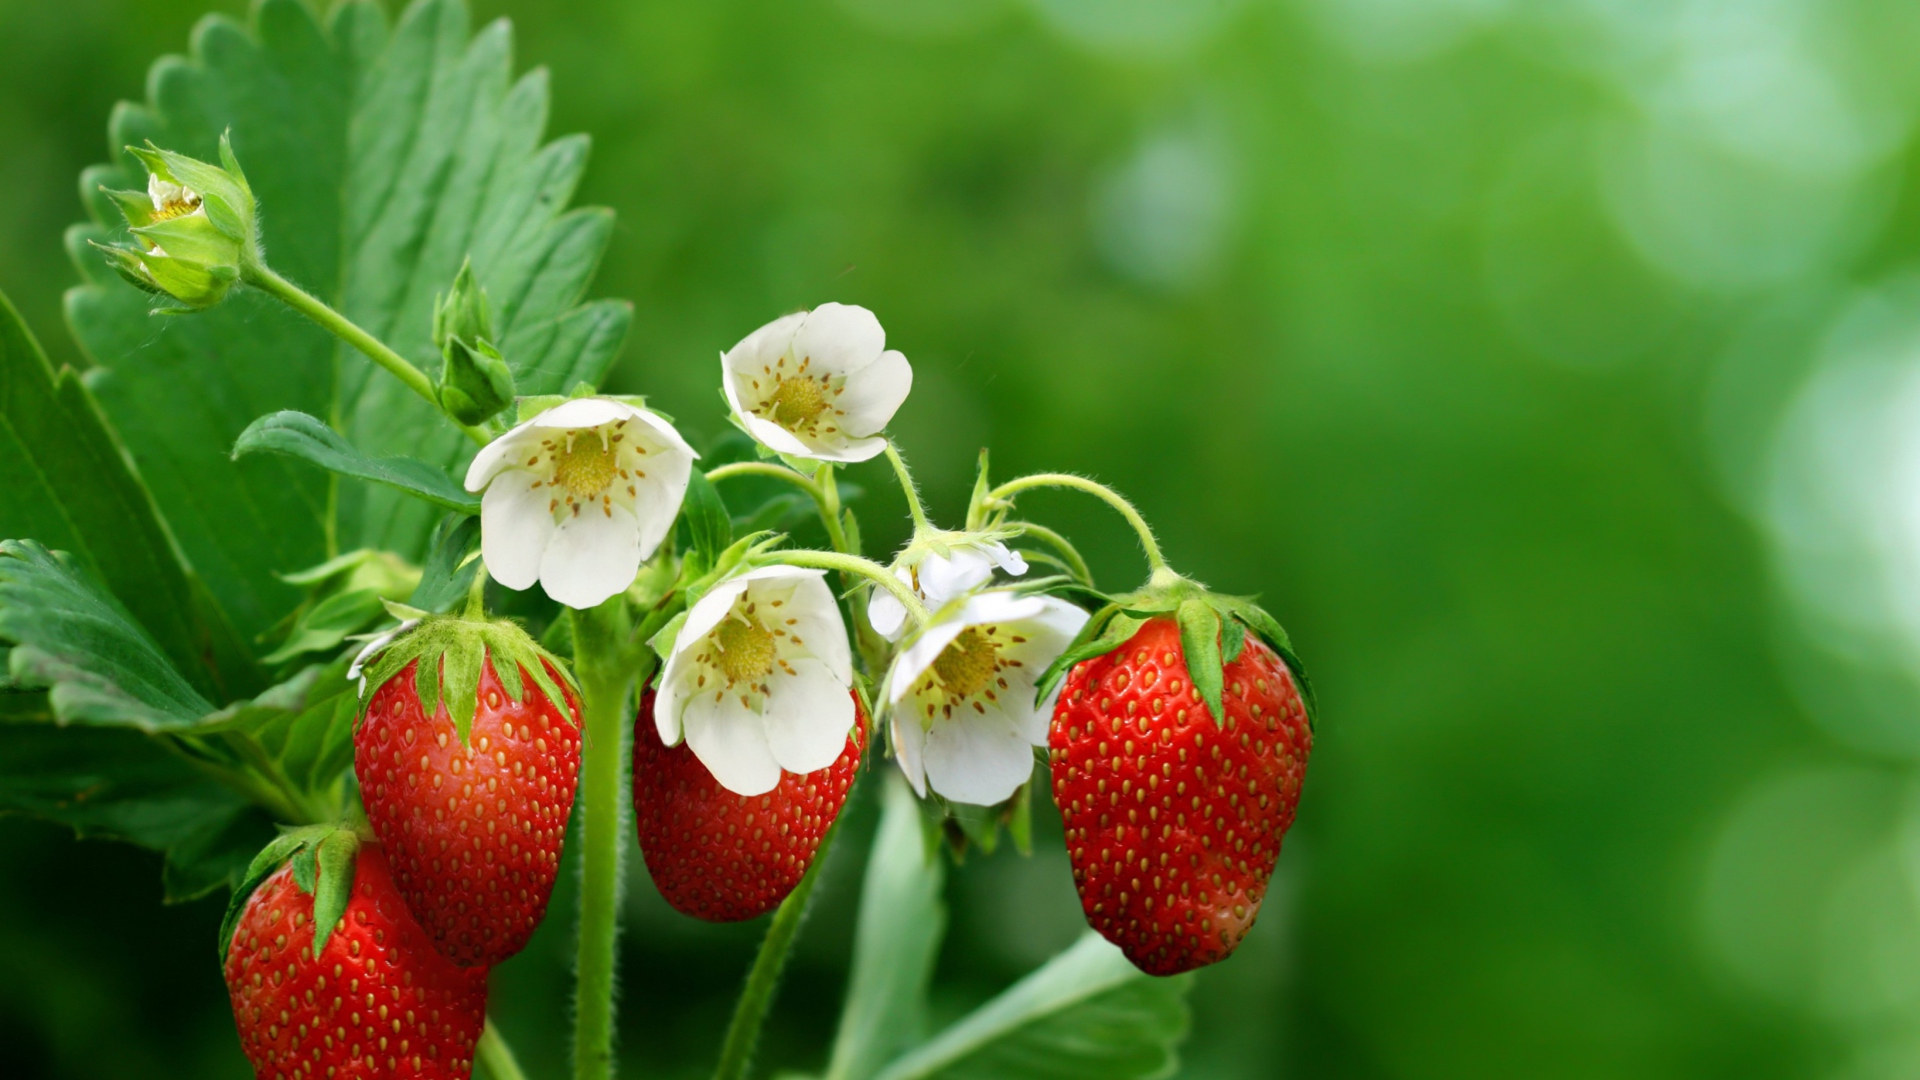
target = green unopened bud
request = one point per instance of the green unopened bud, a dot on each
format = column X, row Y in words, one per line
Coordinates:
column 194, row 228
column 475, row 381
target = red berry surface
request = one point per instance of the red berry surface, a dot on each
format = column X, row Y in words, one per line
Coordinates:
column 473, row 832
column 1173, row 821
column 724, row 857
column 378, row 1002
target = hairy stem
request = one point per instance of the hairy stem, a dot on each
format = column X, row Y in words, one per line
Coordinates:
column 750, row 1014
column 866, row 568
column 496, row 1056
column 264, row 279
column 765, row 468
column 1156, row 562
column 906, row 487
column 606, row 676
column 1075, row 562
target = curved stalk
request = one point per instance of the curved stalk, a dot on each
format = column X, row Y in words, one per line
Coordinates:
column 866, row 568
column 750, row 1014
column 605, row 677
column 494, row 1053
column 1156, row 562
column 765, row 468
column 316, row 309
column 906, row 487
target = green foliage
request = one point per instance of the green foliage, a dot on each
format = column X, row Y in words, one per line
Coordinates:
column 74, row 638
column 903, row 919
column 299, row 734
column 382, row 158
column 1087, row 1014
column 308, row 438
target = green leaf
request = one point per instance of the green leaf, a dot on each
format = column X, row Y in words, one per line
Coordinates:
column 448, row 573
column 118, row 784
column 328, row 623
column 1200, row 643
column 296, row 434
column 707, row 519
column 902, row 921
column 1087, row 1014
column 69, row 485
column 302, row 729
column 381, row 157
column 73, row 637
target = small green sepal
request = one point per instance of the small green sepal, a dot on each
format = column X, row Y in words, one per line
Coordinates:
column 475, row 382
column 303, row 848
column 451, row 652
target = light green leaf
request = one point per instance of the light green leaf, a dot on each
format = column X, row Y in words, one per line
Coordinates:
column 296, row 434
column 1087, row 1014
column 302, row 730
column 118, row 784
column 902, row 920
column 68, row 484
column 71, row 636
column 381, row 158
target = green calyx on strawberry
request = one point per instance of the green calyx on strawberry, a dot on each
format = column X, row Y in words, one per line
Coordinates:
column 328, row 973
column 1213, row 631
column 450, row 651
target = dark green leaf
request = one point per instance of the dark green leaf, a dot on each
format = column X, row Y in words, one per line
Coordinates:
column 119, row 784
column 68, row 484
column 381, row 158
column 325, row 625
column 902, row 921
column 1087, row 1014
column 302, row 729
column 448, row 575
column 70, row 635
column 296, row 434
column 707, row 518
column 1200, row 642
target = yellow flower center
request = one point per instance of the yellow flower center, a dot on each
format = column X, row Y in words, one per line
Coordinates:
column 746, row 651
column 797, row 401
column 586, row 467
column 177, row 205
column 968, row 665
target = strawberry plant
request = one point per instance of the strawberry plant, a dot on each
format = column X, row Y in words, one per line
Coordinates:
column 338, row 581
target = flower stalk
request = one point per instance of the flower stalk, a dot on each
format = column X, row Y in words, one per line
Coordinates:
column 750, row 1013
column 1002, row 498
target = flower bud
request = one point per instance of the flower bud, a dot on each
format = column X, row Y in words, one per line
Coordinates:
column 475, row 381
column 194, row 228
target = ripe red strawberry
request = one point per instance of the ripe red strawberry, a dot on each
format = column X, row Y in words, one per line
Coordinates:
column 1173, row 821
column 724, row 857
column 377, row 1001
column 472, row 815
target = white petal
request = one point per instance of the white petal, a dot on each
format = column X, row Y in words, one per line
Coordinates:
column 887, row 614
column 820, row 628
column 808, row 716
column 676, row 686
column 765, row 346
column 775, row 437
column 1006, row 558
column 515, row 528
column 593, row 555
column 915, row 659
column 707, row 613
column 497, row 455
column 943, row 579
column 732, row 743
column 977, row 759
column 658, row 495
column 584, row 412
column 874, row 394
column 845, row 451
column 664, row 434
column 838, row 338
column 909, row 745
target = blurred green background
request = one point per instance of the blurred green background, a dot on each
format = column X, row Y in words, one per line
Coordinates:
column 1552, row 370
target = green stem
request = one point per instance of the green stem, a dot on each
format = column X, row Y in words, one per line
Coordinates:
column 912, row 493
column 866, row 568
column 494, row 1053
column 1156, row 562
column 1061, row 544
column 750, row 1014
column 765, row 468
column 599, row 638
column 264, row 279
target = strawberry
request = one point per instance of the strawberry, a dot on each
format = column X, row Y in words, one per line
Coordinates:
column 1174, row 821
column 469, row 784
column 370, row 998
column 724, row 857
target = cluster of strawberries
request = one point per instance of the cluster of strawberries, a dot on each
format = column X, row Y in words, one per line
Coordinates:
column 1173, row 823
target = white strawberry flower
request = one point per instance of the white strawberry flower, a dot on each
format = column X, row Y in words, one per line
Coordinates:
column 817, row 384
column 759, row 679
column 940, row 579
column 578, row 496
column 961, row 695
